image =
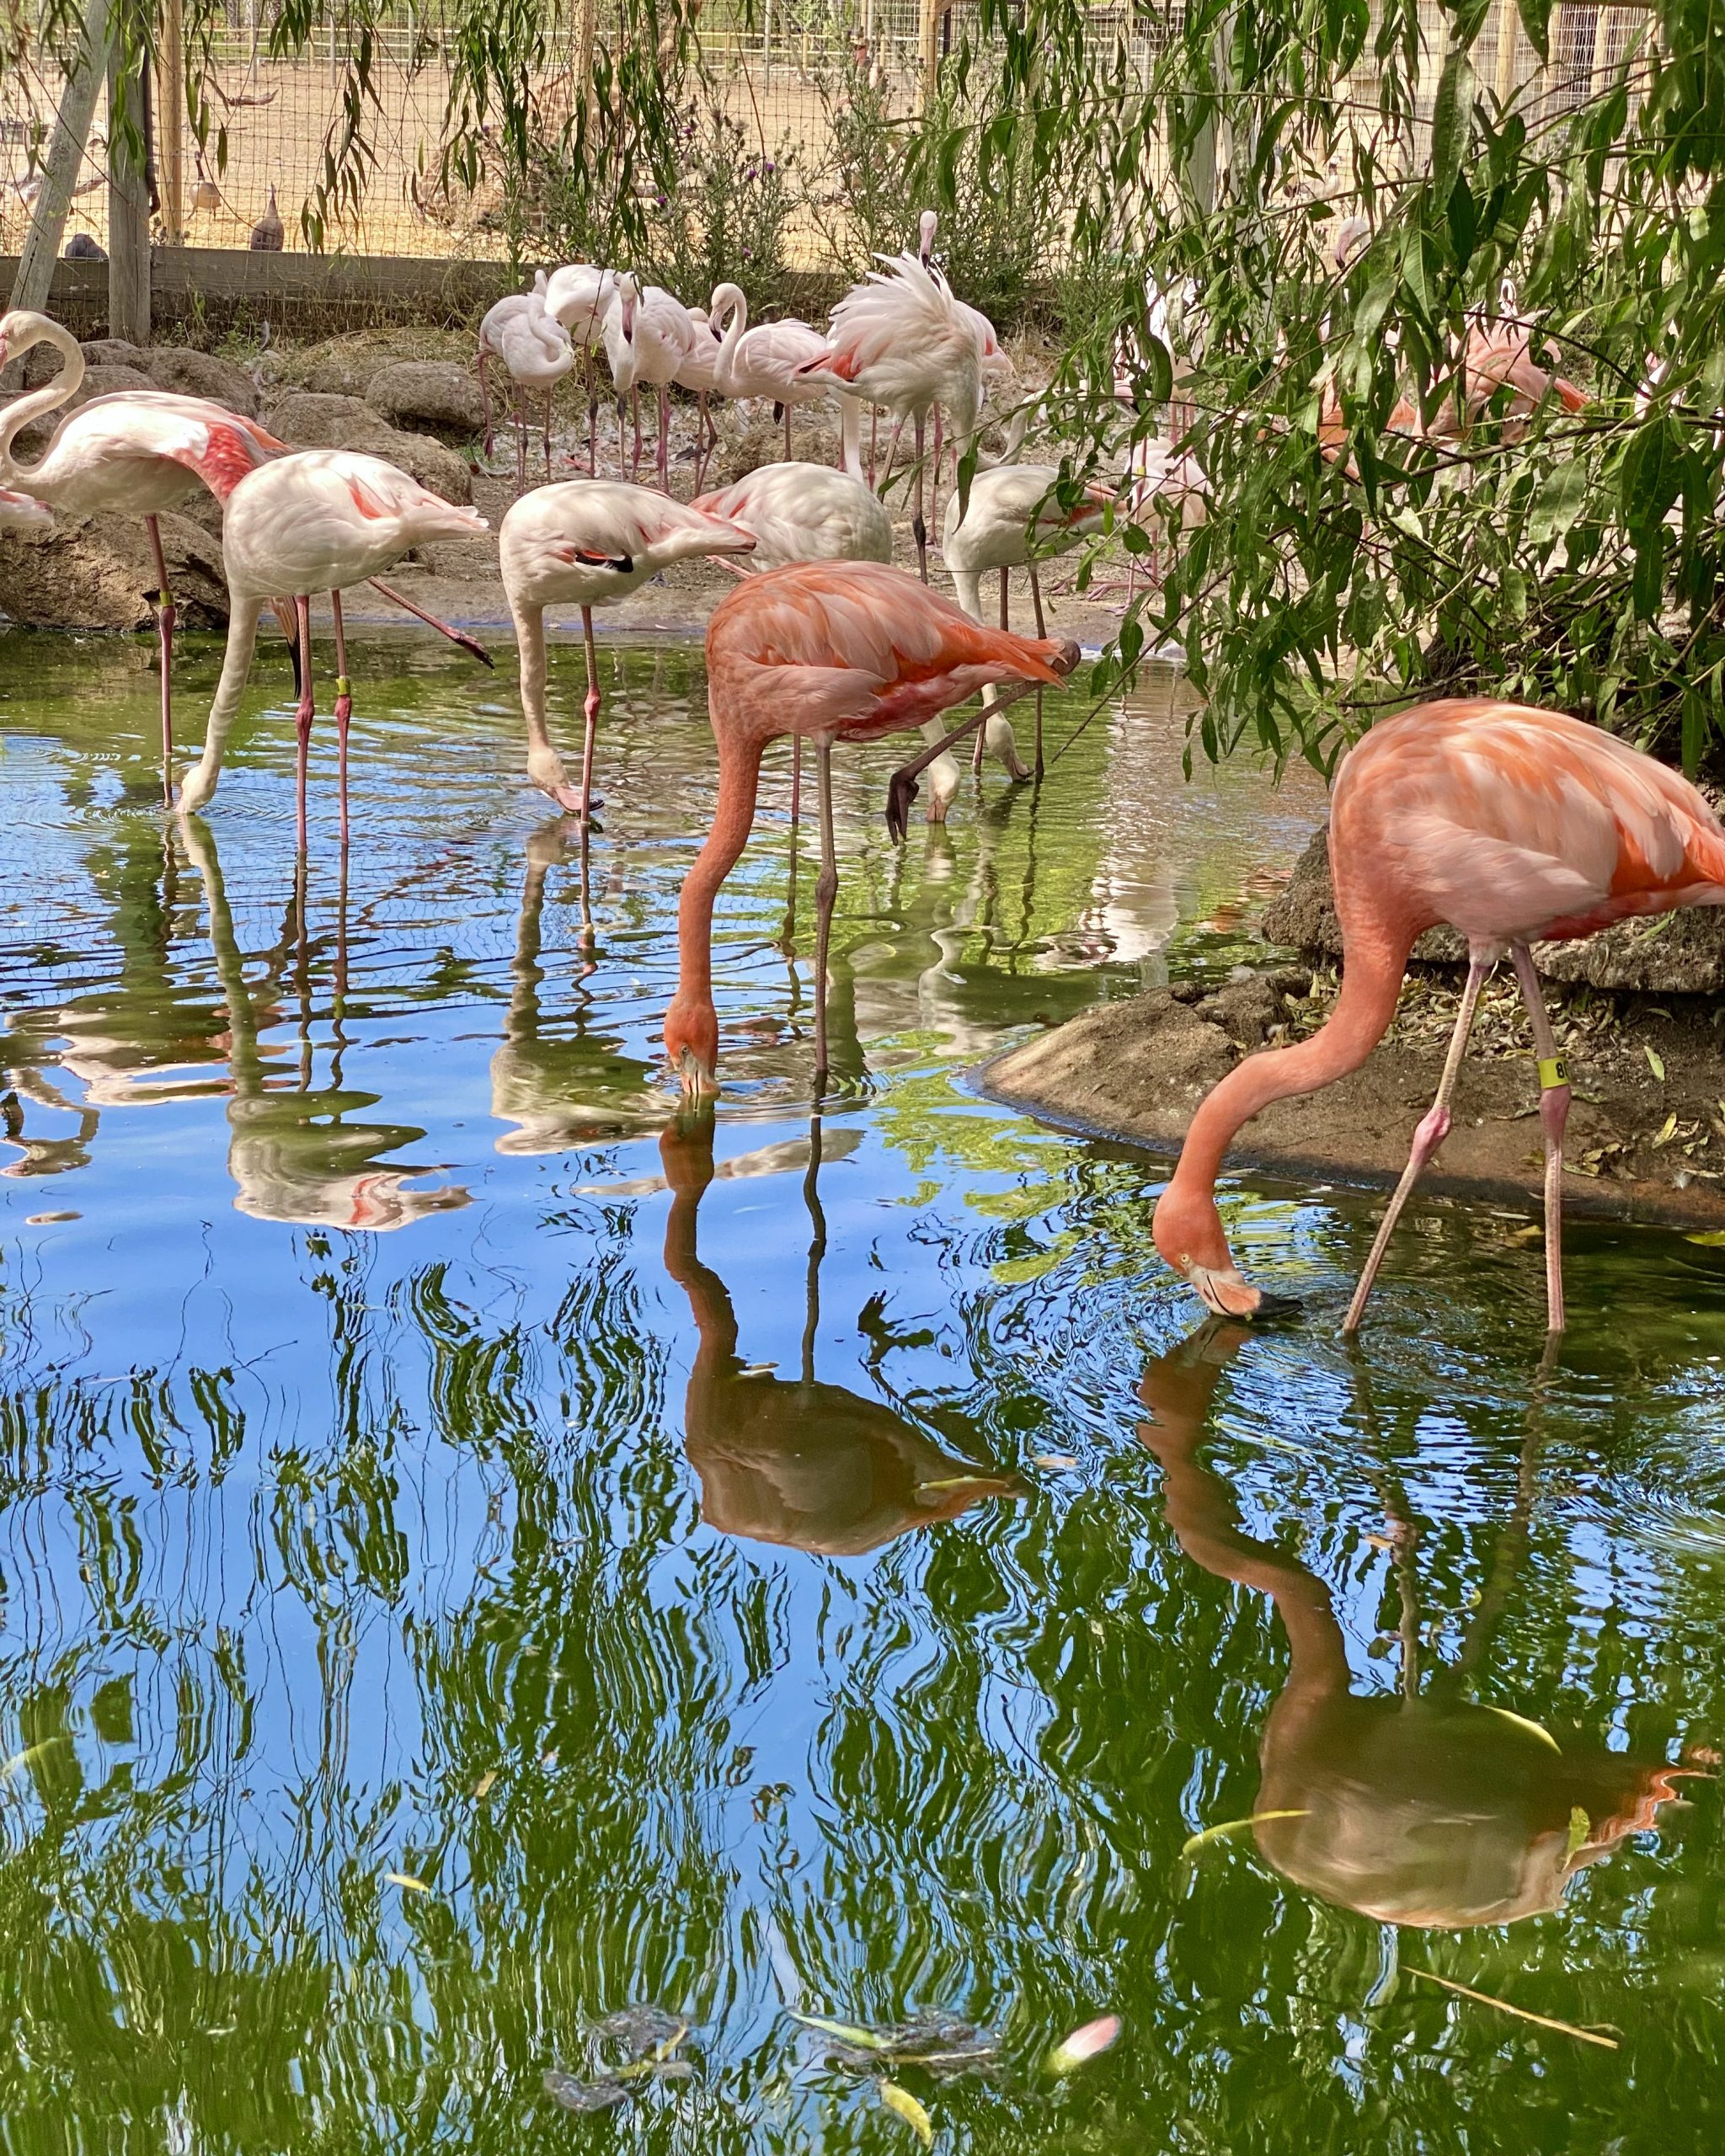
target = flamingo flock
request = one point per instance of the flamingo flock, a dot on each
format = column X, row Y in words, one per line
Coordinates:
column 1510, row 824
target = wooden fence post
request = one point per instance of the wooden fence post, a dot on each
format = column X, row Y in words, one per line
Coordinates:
column 128, row 203
column 71, row 130
column 170, row 119
column 929, row 41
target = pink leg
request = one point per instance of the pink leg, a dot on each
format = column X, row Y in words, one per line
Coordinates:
column 919, row 523
column 635, row 410
column 873, row 439
column 1554, row 1113
column 164, row 631
column 547, row 434
column 590, row 713
column 664, row 439
column 521, row 440
column 344, row 706
column 456, row 637
column 1434, row 1128
column 302, row 715
column 485, row 401
column 796, row 780
column 592, row 418
column 788, row 431
column 1041, row 631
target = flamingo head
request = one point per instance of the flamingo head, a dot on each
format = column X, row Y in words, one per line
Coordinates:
column 19, row 330
column 927, row 226
column 692, row 1043
column 1188, row 1235
column 628, row 299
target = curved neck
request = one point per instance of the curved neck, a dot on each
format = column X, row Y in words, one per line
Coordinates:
column 967, row 584
column 530, row 642
column 850, row 435
column 1371, row 983
column 733, row 817
column 18, row 415
column 732, row 309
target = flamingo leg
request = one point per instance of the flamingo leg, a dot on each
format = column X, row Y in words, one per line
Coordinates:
column 590, row 711
column 467, row 643
column 592, row 418
column 521, row 405
column 707, row 435
column 485, row 401
column 1554, row 1113
column 919, row 523
column 635, row 413
column 344, row 706
column 547, row 432
column 664, row 456
column 1041, row 631
column 787, row 430
column 303, row 712
column 1433, row 1129
column 873, row 439
column 826, row 891
column 796, row 780
column 164, row 633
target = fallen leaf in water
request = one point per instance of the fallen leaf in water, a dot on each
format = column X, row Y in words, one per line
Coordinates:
column 961, row 1482
column 847, row 2032
column 1193, row 1843
column 1521, row 1721
column 483, row 1786
column 1380, row 1542
column 906, row 2105
column 1709, row 1239
column 584, row 2096
column 1521, row 2014
column 1059, row 1461
column 406, row 1879
column 1655, row 1061
column 1085, row 2043
column 1581, row 1829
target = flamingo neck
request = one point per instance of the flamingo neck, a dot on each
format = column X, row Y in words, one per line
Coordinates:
column 18, row 415
column 1371, row 983
column 692, row 1021
column 729, row 303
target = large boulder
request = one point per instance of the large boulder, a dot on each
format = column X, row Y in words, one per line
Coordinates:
column 96, row 573
column 42, row 362
column 310, row 421
column 201, row 374
column 1681, row 953
column 432, row 396
column 340, row 369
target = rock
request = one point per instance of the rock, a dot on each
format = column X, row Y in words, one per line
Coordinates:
column 1681, row 953
column 201, row 374
column 1100, row 1069
column 98, row 381
column 1245, row 1010
column 338, row 371
column 94, row 573
column 41, row 362
column 310, row 420
column 433, row 395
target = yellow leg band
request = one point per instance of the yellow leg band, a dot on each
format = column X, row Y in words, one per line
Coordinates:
column 1552, row 1073
column 343, row 687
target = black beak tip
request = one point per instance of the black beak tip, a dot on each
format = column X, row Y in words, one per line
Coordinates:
column 1270, row 1307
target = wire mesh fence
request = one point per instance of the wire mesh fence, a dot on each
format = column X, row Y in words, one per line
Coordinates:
column 781, row 74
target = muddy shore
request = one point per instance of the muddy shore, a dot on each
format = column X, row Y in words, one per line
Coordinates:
column 1645, row 1139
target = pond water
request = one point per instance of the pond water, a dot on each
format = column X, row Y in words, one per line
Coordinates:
column 480, row 1553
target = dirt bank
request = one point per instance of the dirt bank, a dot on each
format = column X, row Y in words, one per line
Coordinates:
column 1647, row 1132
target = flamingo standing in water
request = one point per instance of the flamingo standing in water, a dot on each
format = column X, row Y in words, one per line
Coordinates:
column 317, row 519
column 135, row 454
column 831, row 651
column 900, row 339
column 585, row 543
column 1513, row 825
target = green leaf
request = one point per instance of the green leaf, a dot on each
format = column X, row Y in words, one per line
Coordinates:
column 1655, row 1062
column 1581, row 1829
column 1193, row 1843
column 1452, row 117
column 1708, row 1238
column 906, row 2105
column 847, row 2032
column 1535, row 17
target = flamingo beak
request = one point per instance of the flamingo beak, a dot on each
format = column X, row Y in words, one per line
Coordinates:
column 699, row 1081
column 1226, row 1292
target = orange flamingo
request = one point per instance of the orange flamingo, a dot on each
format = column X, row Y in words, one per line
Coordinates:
column 1511, row 826
column 825, row 652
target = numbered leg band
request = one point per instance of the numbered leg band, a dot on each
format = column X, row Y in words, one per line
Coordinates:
column 1552, row 1073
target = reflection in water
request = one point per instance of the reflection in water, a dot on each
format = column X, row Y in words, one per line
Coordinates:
column 292, row 1152
column 793, row 1460
column 1416, row 1809
column 561, row 1091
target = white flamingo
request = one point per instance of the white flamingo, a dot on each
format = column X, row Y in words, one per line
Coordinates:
column 585, row 543
column 699, row 374
column 317, row 519
column 648, row 336
column 766, row 360
column 578, row 296
column 536, row 353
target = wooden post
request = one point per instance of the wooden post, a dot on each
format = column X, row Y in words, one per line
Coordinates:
column 71, row 130
column 1506, row 50
column 929, row 40
column 128, row 204
column 170, row 115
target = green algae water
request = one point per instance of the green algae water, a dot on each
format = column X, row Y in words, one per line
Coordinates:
column 481, row 1554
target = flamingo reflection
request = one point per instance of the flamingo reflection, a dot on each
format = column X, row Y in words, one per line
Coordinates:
column 796, row 1461
column 1414, row 1808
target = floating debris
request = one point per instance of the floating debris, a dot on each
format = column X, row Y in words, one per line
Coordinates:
column 1521, row 1721
column 942, row 2044
column 406, row 1879
column 643, row 2028
column 1060, row 1463
column 49, row 1219
column 1521, row 2014
column 584, row 2096
column 1193, row 1843
column 1083, row 2044
column 906, row 2105
column 848, row 2032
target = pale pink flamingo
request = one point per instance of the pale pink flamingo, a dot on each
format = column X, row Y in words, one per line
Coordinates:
column 317, row 519
column 804, row 513
column 578, row 296
column 585, row 543
column 700, row 375
column 536, row 353
column 136, row 453
column 1513, row 826
column 829, row 651
column 23, row 512
column 765, row 361
column 1499, row 355
column 648, row 336
column 900, row 340
column 1011, row 520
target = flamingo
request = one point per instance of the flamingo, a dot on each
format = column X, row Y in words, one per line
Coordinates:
column 585, row 543
column 900, row 339
column 316, row 519
column 23, row 512
column 647, row 337
column 804, row 513
column 536, row 354
column 700, row 375
column 764, row 361
column 1514, row 826
column 1012, row 518
column 578, row 296
column 831, row 651
column 136, row 453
